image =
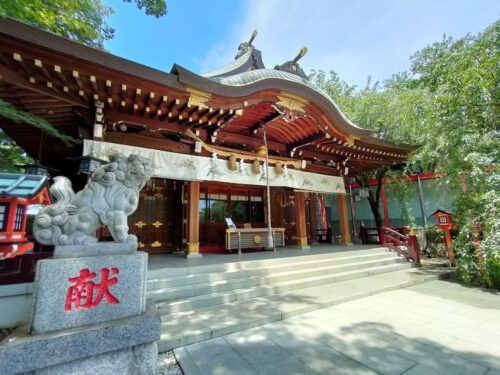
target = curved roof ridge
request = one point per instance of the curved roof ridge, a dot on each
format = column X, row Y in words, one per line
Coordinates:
column 248, row 60
column 252, row 76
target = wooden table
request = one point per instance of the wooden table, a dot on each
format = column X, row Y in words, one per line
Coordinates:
column 246, row 238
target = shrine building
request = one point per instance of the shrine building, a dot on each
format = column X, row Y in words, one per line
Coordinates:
column 206, row 134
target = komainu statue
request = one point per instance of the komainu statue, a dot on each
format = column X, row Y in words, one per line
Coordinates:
column 110, row 196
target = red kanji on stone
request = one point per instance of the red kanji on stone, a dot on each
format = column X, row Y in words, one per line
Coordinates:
column 81, row 294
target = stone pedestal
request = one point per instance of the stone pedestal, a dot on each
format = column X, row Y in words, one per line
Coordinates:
column 89, row 316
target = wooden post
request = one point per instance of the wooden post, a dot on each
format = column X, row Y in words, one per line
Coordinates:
column 451, row 253
column 193, row 237
column 414, row 248
column 345, row 235
column 300, row 218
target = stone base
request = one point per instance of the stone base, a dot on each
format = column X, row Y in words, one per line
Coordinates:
column 193, row 256
column 98, row 249
column 138, row 360
column 303, row 247
column 123, row 346
column 89, row 316
column 55, row 308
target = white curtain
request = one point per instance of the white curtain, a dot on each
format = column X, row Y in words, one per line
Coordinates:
column 192, row 168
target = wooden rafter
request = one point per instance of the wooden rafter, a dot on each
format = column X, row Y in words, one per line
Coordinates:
column 14, row 78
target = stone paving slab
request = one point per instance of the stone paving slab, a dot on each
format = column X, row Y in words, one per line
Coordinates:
column 435, row 328
column 211, row 322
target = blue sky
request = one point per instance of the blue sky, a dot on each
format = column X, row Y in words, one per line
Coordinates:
column 356, row 38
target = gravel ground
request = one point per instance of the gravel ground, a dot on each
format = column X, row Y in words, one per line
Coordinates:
column 4, row 332
column 167, row 364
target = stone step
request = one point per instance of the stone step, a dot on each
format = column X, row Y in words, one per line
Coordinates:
column 278, row 277
column 200, row 278
column 236, row 265
column 183, row 328
column 212, row 299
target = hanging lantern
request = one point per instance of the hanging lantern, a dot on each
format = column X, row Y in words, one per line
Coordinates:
column 231, row 165
column 35, row 169
column 256, row 167
column 88, row 163
column 261, row 151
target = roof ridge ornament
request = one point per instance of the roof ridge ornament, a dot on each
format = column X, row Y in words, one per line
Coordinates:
column 246, row 46
column 293, row 66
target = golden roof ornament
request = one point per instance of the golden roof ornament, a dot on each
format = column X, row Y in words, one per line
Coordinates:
column 246, row 46
column 293, row 65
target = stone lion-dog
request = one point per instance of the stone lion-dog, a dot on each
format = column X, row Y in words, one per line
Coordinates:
column 110, row 196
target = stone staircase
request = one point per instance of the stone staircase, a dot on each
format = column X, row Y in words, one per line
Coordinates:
column 206, row 301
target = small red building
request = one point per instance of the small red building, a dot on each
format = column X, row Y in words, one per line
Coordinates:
column 444, row 220
column 446, row 224
column 17, row 192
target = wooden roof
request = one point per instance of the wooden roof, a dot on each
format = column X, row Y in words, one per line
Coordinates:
column 61, row 80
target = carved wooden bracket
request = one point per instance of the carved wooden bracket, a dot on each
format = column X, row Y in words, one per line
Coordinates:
column 198, row 98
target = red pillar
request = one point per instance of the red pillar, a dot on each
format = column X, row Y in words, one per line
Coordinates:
column 384, row 204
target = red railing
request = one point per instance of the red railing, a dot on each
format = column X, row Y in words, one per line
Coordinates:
column 406, row 246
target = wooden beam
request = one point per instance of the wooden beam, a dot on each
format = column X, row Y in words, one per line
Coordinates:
column 174, row 128
column 163, row 144
column 15, row 79
column 261, row 125
column 305, row 141
column 317, row 154
column 149, row 123
column 322, row 169
column 249, row 141
column 93, row 82
column 39, row 64
column 76, row 77
column 60, row 74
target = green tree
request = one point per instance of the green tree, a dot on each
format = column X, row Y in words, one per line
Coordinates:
column 449, row 104
column 11, row 155
column 82, row 20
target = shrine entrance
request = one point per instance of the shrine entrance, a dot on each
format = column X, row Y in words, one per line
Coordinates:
column 244, row 204
column 157, row 222
column 283, row 213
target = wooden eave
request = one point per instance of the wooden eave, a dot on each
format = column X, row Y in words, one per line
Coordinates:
column 60, row 80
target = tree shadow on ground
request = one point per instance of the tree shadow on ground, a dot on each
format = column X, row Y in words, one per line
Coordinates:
column 356, row 348
column 337, row 342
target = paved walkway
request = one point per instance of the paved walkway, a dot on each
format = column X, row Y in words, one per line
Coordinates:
column 439, row 327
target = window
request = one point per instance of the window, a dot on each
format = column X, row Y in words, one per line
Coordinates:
column 217, row 204
column 4, row 211
column 239, row 204
column 202, row 210
column 18, row 220
column 256, row 210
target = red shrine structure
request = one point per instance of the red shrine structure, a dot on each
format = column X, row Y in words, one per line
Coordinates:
column 217, row 139
column 17, row 192
column 445, row 223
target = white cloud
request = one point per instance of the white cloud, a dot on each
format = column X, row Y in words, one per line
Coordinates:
column 355, row 38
